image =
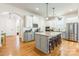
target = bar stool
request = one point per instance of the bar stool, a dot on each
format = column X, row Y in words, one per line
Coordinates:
column 51, row 45
column 54, row 41
column 59, row 39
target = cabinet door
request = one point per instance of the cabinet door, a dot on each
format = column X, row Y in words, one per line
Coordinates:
column 33, row 36
column 44, row 44
column 71, row 36
column 78, row 32
column 67, row 31
column 71, row 28
column 29, row 36
column 25, row 36
column 37, row 41
column 75, row 31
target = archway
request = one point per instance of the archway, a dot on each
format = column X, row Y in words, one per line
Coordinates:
column 10, row 23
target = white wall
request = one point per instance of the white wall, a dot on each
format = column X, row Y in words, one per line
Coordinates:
column 9, row 24
column 56, row 24
column 21, row 13
column 72, row 19
column 37, row 19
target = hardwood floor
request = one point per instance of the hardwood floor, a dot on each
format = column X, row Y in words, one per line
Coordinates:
column 67, row 48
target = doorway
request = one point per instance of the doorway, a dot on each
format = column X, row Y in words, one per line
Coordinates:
column 10, row 23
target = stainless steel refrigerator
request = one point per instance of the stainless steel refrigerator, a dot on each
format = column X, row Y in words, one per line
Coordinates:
column 78, row 32
column 72, row 31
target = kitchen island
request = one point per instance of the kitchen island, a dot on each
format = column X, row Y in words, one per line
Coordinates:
column 46, row 41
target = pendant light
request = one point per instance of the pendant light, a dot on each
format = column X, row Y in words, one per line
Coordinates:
column 46, row 11
column 51, row 17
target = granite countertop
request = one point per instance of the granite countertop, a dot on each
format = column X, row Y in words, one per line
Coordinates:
column 48, row 33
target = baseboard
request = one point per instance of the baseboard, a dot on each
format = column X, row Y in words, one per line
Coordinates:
column 70, row 40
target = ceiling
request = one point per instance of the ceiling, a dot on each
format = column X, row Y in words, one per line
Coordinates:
column 60, row 8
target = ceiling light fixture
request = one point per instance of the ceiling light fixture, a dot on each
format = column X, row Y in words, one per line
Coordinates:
column 51, row 17
column 46, row 11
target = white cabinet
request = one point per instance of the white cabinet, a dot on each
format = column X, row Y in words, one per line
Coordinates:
column 28, row 21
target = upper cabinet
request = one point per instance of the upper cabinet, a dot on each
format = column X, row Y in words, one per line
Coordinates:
column 28, row 21
column 38, row 21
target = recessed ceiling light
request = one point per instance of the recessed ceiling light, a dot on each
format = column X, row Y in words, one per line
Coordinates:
column 37, row 8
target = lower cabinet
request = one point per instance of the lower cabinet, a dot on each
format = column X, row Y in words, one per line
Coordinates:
column 38, row 41
column 42, row 43
column 25, row 36
column 28, row 36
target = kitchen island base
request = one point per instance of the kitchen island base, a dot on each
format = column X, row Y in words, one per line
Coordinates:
column 46, row 42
